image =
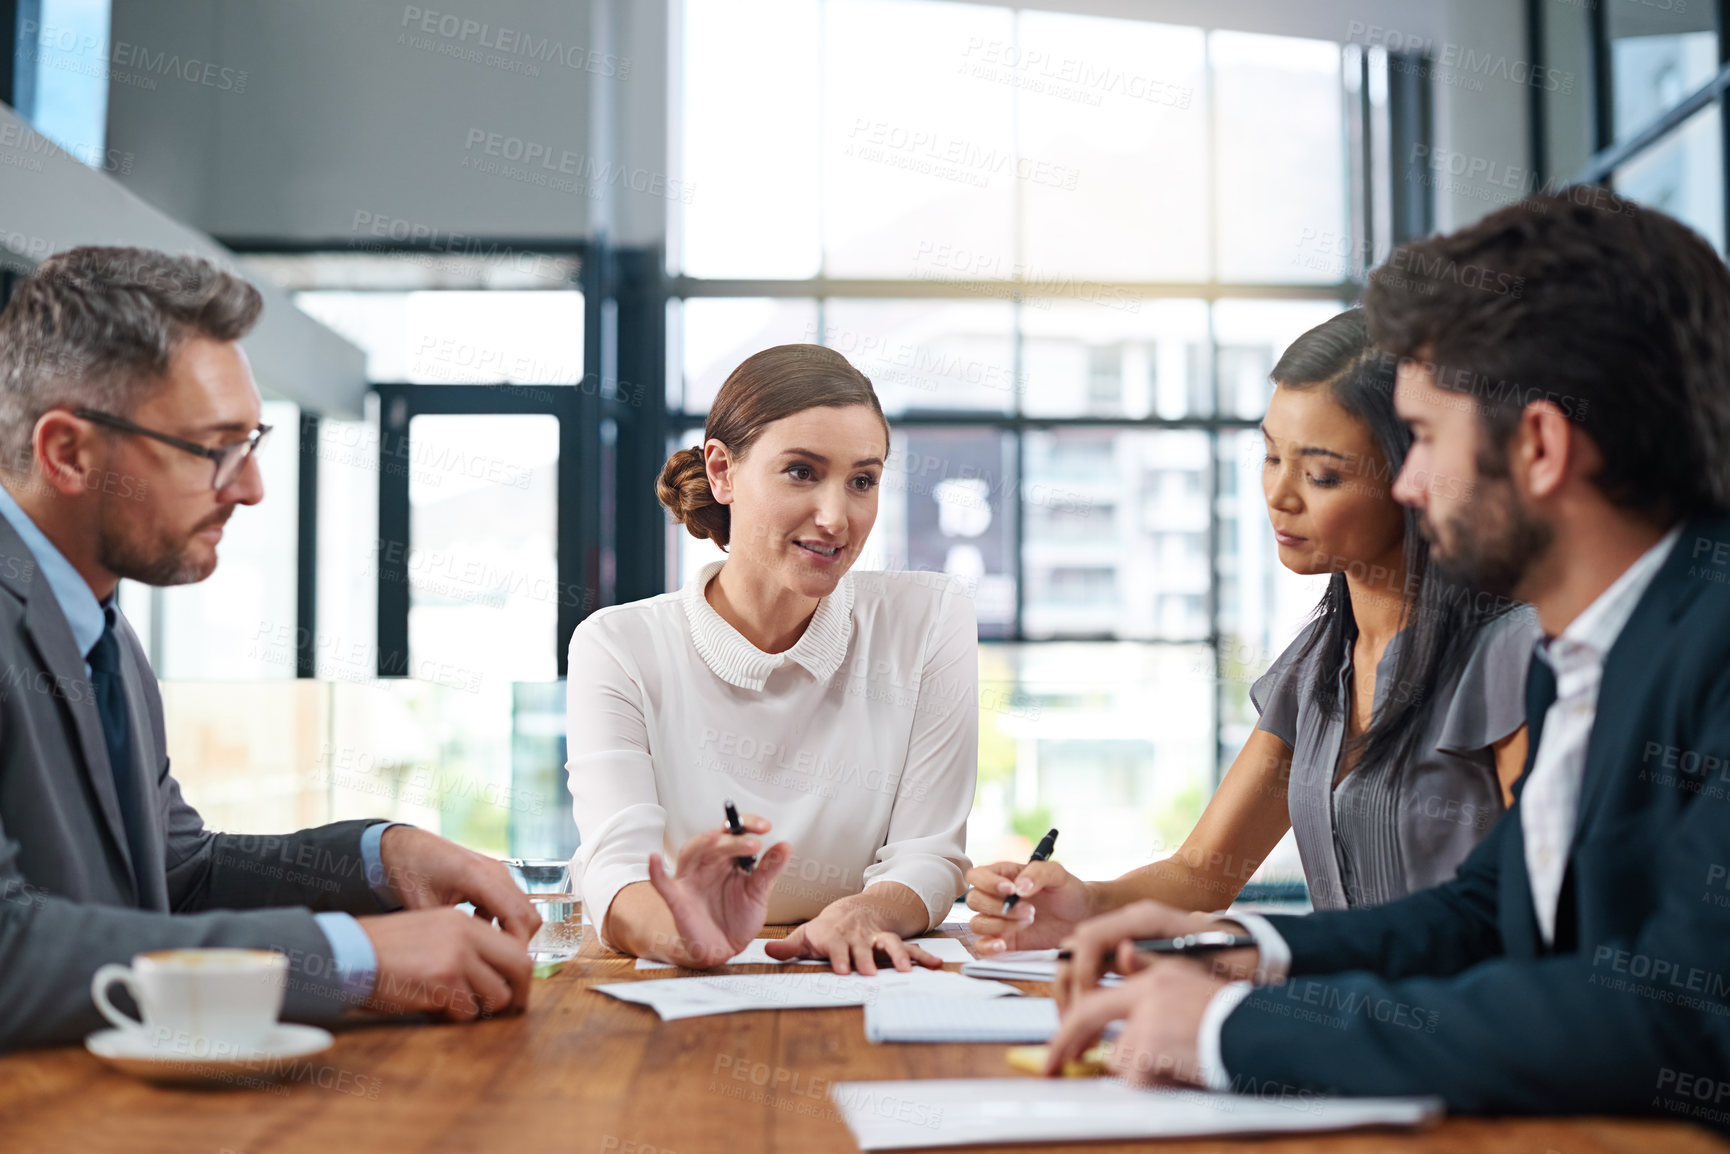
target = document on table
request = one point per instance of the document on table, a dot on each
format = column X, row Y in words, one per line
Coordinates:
column 1023, row 966
column 943, row 949
column 673, row 998
column 938, row 1018
column 1018, row 965
column 987, row 1111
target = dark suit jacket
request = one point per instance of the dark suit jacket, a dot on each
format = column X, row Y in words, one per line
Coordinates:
column 68, row 898
column 1451, row 991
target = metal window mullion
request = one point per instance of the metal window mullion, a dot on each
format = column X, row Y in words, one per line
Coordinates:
column 306, row 551
column 395, row 417
column 1537, row 112
column 1603, row 91
column 1016, row 629
column 1723, row 15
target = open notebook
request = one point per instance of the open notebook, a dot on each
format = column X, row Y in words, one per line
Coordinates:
column 809, row 989
column 940, row 1018
column 1022, row 966
column 946, row 950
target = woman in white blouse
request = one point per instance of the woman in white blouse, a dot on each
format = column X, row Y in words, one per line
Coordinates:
column 839, row 709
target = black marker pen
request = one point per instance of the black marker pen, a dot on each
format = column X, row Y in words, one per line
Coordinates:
column 735, row 827
column 1202, row 942
column 1040, row 853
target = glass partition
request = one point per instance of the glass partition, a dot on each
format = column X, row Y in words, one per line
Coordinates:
column 1110, row 742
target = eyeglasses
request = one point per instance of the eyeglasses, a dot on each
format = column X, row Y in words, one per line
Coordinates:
column 230, row 459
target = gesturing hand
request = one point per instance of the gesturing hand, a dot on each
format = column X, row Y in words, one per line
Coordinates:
column 717, row 907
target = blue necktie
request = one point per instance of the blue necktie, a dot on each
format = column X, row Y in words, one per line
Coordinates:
column 110, row 692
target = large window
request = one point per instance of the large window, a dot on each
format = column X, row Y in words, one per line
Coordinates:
column 460, row 729
column 1067, row 250
column 60, row 76
column 1654, row 122
column 482, row 548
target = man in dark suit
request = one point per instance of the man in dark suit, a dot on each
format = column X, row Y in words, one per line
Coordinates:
column 1566, row 374
column 128, row 426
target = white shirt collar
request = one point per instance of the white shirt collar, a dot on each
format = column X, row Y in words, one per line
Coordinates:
column 820, row 651
column 1589, row 636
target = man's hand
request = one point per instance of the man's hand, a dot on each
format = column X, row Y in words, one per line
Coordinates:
column 1163, row 1005
column 428, row 872
column 445, row 962
column 852, row 931
column 1100, row 945
column 1058, row 898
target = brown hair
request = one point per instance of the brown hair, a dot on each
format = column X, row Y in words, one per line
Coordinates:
column 766, row 386
column 1616, row 314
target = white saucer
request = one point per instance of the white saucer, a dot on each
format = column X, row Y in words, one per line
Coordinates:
column 180, row 1059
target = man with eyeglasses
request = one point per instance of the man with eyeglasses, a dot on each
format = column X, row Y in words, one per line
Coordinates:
column 129, row 427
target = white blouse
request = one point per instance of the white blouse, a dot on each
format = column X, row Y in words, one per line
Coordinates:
column 860, row 743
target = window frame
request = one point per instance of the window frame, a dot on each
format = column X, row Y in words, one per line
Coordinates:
column 1382, row 210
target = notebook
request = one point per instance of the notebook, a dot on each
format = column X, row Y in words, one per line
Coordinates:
column 1023, row 966
column 674, row 998
column 945, row 950
column 1018, row 965
column 937, row 1018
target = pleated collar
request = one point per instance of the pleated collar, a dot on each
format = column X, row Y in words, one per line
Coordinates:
column 820, row 651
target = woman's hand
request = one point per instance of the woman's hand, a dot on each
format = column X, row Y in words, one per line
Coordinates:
column 717, row 907
column 851, row 932
column 1053, row 902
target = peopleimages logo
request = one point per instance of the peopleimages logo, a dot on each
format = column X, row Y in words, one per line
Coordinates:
column 134, row 65
column 561, row 169
column 1457, row 65
column 461, row 31
column 1468, row 275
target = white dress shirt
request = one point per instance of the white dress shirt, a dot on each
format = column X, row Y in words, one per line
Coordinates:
column 1549, row 803
column 859, row 744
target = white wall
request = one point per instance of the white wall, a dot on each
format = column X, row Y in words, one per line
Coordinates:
column 352, row 111
column 53, row 202
column 366, row 108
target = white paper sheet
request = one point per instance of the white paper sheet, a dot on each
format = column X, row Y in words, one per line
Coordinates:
column 944, row 949
column 673, row 998
column 986, row 1111
column 1018, row 965
column 937, row 1018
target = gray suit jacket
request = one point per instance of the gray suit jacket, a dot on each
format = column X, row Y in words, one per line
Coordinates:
column 68, row 901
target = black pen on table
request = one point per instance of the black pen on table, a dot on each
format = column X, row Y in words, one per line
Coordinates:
column 736, row 827
column 1203, row 942
column 1041, row 852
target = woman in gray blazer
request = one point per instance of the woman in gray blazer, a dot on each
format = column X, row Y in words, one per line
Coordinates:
column 1393, row 726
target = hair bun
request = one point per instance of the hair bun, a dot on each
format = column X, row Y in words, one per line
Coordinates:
column 683, row 487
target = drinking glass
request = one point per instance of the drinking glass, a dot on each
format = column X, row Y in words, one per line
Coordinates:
column 548, row 884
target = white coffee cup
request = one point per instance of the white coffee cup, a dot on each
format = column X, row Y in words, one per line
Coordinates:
column 198, row 1002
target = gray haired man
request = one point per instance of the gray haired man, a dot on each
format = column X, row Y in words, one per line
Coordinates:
column 129, row 424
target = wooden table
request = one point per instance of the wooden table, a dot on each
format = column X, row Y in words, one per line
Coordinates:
column 583, row 1073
